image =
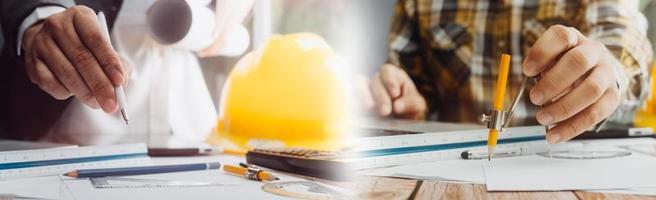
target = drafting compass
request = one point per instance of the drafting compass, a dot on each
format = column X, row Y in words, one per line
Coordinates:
column 498, row 119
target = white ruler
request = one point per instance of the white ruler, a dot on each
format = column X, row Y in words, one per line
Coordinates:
column 55, row 161
column 381, row 151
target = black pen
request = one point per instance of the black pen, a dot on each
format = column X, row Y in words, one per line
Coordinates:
column 503, row 152
column 479, row 155
column 200, row 151
column 617, row 133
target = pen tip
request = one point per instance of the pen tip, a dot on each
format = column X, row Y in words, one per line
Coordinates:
column 125, row 116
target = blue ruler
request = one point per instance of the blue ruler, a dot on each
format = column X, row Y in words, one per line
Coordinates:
column 381, row 151
column 55, row 161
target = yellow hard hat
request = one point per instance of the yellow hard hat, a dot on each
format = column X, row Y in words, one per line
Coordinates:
column 291, row 92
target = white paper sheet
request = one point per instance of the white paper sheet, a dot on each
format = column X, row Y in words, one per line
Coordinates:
column 470, row 171
column 531, row 173
column 234, row 187
column 49, row 187
column 448, row 170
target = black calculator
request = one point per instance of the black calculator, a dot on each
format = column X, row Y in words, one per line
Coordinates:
column 302, row 161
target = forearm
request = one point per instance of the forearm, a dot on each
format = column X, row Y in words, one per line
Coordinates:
column 634, row 85
column 405, row 52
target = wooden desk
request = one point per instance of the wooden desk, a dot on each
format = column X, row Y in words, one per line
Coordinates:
column 394, row 188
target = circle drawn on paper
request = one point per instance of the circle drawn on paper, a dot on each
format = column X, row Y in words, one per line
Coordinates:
column 302, row 190
column 579, row 154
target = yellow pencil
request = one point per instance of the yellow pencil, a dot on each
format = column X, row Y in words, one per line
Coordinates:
column 499, row 93
column 253, row 174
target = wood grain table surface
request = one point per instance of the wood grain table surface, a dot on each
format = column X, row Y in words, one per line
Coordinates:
column 370, row 187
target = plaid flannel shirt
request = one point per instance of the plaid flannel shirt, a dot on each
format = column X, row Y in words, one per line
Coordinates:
column 451, row 49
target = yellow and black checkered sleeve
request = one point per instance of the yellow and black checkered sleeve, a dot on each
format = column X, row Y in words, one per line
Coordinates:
column 621, row 27
column 405, row 50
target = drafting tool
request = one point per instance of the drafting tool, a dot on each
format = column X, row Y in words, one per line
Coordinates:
column 129, row 171
column 302, row 161
column 303, row 190
column 496, row 117
column 250, row 173
column 120, row 93
column 124, row 182
column 390, row 150
column 15, row 145
column 43, row 162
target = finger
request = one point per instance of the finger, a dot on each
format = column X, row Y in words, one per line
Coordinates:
column 407, row 84
column 30, row 62
column 588, row 92
column 556, row 40
column 567, row 90
column 128, row 67
column 381, row 98
column 47, row 81
column 30, row 34
column 96, row 40
column 569, row 68
column 586, row 119
column 84, row 61
column 391, row 79
column 64, row 70
column 411, row 106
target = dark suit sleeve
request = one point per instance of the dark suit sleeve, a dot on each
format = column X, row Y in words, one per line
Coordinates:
column 13, row 12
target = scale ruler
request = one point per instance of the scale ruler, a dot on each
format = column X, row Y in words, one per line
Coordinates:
column 381, row 151
column 55, row 161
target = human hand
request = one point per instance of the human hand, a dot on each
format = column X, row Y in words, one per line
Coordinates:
column 394, row 94
column 67, row 54
column 578, row 86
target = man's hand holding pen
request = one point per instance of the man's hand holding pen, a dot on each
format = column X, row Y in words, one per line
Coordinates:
column 67, row 55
